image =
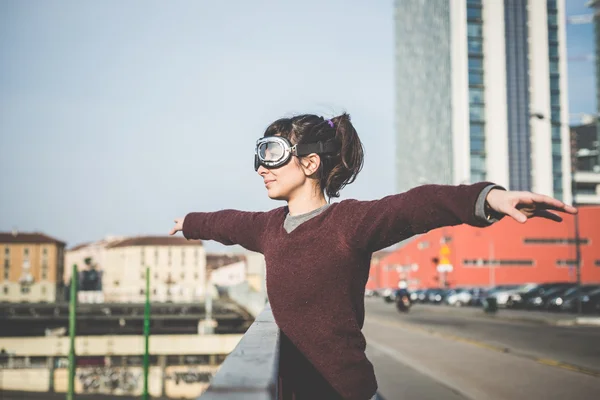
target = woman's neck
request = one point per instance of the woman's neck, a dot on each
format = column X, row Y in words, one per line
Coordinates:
column 303, row 203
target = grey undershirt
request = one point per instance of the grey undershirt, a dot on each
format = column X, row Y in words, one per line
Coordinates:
column 293, row 221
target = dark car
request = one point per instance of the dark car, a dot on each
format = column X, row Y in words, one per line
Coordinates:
column 522, row 300
column 434, row 296
column 590, row 302
column 555, row 303
column 540, row 302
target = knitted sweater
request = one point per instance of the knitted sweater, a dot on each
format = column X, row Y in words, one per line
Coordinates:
column 316, row 275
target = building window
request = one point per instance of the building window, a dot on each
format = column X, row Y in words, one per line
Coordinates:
column 43, row 289
column 474, row 30
column 6, row 289
column 556, row 132
column 554, row 241
column 169, row 257
column 142, row 275
column 477, row 145
column 26, row 252
column 476, row 113
column 477, row 162
column 142, row 291
column 475, row 95
column 45, row 251
column 25, row 289
column 502, row 262
column 183, row 275
column 476, row 130
column 476, row 78
column 156, row 257
column 566, row 263
column 475, row 64
column 143, row 256
column 196, row 258
column 196, row 276
column 597, row 263
column 7, row 251
column 473, row 13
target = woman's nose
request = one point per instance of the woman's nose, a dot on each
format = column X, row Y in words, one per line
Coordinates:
column 262, row 170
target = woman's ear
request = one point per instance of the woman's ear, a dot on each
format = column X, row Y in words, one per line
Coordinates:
column 310, row 163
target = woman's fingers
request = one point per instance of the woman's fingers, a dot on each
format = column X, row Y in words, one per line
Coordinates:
column 553, row 204
column 548, row 215
column 178, row 226
column 516, row 214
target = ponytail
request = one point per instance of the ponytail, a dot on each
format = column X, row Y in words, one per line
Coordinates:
column 343, row 167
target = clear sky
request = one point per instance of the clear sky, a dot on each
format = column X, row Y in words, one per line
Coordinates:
column 116, row 117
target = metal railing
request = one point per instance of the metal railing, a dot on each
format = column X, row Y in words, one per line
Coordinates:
column 251, row 370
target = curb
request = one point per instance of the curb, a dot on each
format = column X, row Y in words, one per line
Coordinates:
column 572, row 321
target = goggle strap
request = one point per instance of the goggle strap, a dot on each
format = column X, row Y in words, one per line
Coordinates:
column 319, row 148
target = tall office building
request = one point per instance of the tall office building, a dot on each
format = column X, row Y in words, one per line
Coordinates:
column 469, row 76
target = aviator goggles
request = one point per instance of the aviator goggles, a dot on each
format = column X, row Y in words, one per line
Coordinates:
column 276, row 151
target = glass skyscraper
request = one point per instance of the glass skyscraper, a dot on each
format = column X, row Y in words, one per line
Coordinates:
column 469, row 75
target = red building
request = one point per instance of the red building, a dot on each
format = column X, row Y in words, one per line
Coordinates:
column 505, row 253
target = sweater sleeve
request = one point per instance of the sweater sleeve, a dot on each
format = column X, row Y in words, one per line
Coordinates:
column 381, row 223
column 228, row 227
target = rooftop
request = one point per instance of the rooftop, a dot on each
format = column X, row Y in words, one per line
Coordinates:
column 155, row 241
column 33, row 238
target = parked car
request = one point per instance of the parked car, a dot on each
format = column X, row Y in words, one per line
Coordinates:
column 540, row 302
column 434, row 296
column 521, row 300
column 555, row 303
column 417, row 296
column 505, row 296
column 459, row 297
column 590, row 302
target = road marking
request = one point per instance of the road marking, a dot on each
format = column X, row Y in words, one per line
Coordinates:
column 484, row 345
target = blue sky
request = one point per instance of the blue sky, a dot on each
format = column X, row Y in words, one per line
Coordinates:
column 116, row 117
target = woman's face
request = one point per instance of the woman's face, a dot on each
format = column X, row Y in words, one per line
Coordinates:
column 283, row 182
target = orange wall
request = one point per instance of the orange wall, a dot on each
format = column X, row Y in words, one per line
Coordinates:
column 501, row 241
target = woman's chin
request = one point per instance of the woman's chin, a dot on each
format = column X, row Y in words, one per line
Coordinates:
column 275, row 195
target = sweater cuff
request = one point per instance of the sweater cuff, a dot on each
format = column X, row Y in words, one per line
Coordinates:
column 480, row 206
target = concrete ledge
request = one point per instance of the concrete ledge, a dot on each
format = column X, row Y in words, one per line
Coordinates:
column 251, row 371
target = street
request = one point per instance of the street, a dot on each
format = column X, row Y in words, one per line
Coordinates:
column 437, row 352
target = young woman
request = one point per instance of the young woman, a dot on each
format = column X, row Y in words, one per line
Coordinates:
column 318, row 254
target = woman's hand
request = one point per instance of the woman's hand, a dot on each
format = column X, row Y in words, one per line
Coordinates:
column 178, row 226
column 524, row 205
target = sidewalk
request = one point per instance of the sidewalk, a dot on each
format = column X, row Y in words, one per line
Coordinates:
column 549, row 318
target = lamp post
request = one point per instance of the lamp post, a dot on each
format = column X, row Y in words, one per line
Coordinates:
column 573, row 138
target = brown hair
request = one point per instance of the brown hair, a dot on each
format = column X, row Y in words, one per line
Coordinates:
column 337, row 169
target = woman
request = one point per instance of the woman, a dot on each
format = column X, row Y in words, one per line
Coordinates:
column 318, row 254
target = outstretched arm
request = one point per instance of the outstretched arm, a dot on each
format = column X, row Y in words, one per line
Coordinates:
column 228, row 227
column 381, row 223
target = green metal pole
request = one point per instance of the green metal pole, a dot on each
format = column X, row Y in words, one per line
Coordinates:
column 72, row 320
column 146, row 335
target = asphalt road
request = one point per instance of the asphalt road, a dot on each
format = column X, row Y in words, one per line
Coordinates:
column 443, row 353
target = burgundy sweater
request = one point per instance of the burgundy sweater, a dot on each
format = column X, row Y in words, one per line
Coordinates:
column 316, row 275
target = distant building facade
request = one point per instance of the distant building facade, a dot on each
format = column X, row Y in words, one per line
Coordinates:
column 177, row 269
column 469, row 76
column 587, row 175
column 32, row 268
column 505, row 253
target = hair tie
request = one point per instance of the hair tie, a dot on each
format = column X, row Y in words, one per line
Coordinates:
column 330, row 122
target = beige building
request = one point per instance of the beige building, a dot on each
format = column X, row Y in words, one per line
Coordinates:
column 32, row 268
column 96, row 251
column 177, row 269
